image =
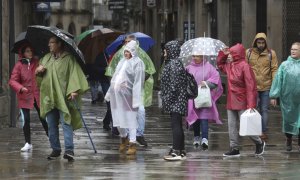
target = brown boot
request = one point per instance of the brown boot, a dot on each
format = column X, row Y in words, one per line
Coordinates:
column 132, row 149
column 123, row 145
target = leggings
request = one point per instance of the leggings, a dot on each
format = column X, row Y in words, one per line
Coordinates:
column 25, row 115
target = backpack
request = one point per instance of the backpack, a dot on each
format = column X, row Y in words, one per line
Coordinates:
column 269, row 54
column 192, row 87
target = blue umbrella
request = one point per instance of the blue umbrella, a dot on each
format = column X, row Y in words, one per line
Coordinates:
column 145, row 42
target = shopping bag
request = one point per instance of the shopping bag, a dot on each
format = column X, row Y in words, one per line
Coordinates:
column 204, row 97
column 250, row 123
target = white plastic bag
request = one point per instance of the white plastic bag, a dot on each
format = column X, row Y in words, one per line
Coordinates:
column 250, row 123
column 204, row 97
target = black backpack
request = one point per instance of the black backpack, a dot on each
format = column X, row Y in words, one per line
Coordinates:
column 192, row 87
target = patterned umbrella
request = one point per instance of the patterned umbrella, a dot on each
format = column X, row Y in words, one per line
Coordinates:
column 94, row 41
column 39, row 37
column 208, row 47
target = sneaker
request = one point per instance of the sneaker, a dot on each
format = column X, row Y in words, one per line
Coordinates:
column 260, row 148
column 232, row 153
column 115, row 131
column 54, row 154
column 196, row 141
column 69, row 155
column 289, row 144
column 174, row 156
column 27, row 147
column 141, row 140
column 204, row 143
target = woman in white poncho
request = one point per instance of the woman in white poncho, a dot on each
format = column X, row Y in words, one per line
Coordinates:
column 125, row 96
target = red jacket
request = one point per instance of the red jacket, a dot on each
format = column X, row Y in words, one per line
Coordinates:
column 241, row 90
column 23, row 75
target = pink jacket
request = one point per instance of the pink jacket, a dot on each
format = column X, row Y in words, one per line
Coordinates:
column 23, row 75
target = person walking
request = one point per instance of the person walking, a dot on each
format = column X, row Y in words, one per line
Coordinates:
column 264, row 64
column 241, row 94
column 148, row 87
column 125, row 96
column 23, row 82
column 286, row 87
column 61, row 81
column 174, row 97
column 204, row 73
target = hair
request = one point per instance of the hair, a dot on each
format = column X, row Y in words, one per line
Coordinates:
column 131, row 36
column 296, row 43
column 23, row 48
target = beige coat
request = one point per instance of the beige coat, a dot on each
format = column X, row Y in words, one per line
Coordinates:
column 263, row 69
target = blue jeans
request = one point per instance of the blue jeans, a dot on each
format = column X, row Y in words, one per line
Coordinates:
column 263, row 104
column 53, row 118
column 141, row 116
column 203, row 123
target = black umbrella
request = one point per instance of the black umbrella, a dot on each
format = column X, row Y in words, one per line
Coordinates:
column 20, row 41
column 39, row 37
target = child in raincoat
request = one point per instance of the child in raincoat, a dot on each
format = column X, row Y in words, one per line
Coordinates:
column 125, row 96
column 286, row 86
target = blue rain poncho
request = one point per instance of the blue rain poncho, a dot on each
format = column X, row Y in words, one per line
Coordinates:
column 286, row 86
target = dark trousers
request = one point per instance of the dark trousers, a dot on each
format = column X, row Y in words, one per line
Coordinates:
column 177, row 130
column 289, row 136
column 108, row 118
column 26, row 119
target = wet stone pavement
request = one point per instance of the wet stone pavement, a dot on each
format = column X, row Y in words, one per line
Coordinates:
column 148, row 163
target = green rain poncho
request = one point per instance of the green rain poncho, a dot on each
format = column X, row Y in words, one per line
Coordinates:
column 286, row 86
column 149, row 69
column 62, row 77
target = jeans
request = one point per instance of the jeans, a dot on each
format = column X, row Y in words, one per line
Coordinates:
column 203, row 124
column 141, row 121
column 263, row 106
column 53, row 118
column 94, row 88
column 178, row 135
column 233, row 123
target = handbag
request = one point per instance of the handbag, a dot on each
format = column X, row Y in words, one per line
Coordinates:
column 203, row 100
column 192, row 87
column 250, row 123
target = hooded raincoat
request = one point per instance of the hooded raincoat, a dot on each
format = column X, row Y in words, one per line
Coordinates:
column 174, row 81
column 263, row 67
column 149, row 69
column 286, row 86
column 205, row 72
column 241, row 85
column 23, row 75
column 63, row 76
column 126, row 88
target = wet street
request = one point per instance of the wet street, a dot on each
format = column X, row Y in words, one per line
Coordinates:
column 148, row 163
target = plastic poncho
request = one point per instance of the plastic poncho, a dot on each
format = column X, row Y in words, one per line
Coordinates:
column 205, row 72
column 149, row 69
column 62, row 77
column 125, row 91
column 286, row 86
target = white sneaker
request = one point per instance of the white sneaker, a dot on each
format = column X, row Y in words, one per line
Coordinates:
column 27, row 147
column 204, row 143
column 196, row 141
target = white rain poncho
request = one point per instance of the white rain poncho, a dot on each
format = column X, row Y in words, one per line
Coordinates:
column 286, row 86
column 125, row 92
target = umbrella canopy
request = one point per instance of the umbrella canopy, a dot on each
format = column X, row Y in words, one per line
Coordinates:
column 39, row 37
column 208, row 47
column 20, row 40
column 93, row 42
column 145, row 42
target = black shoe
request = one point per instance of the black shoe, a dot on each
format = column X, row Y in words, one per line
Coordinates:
column 106, row 127
column 141, row 140
column 69, row 155
column 289, row 144
column 232, row 153
column 260, row 148
column 115, row 131
column 54, row 154
column 94, row 102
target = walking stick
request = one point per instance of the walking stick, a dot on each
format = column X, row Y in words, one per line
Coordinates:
column 77, row 107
